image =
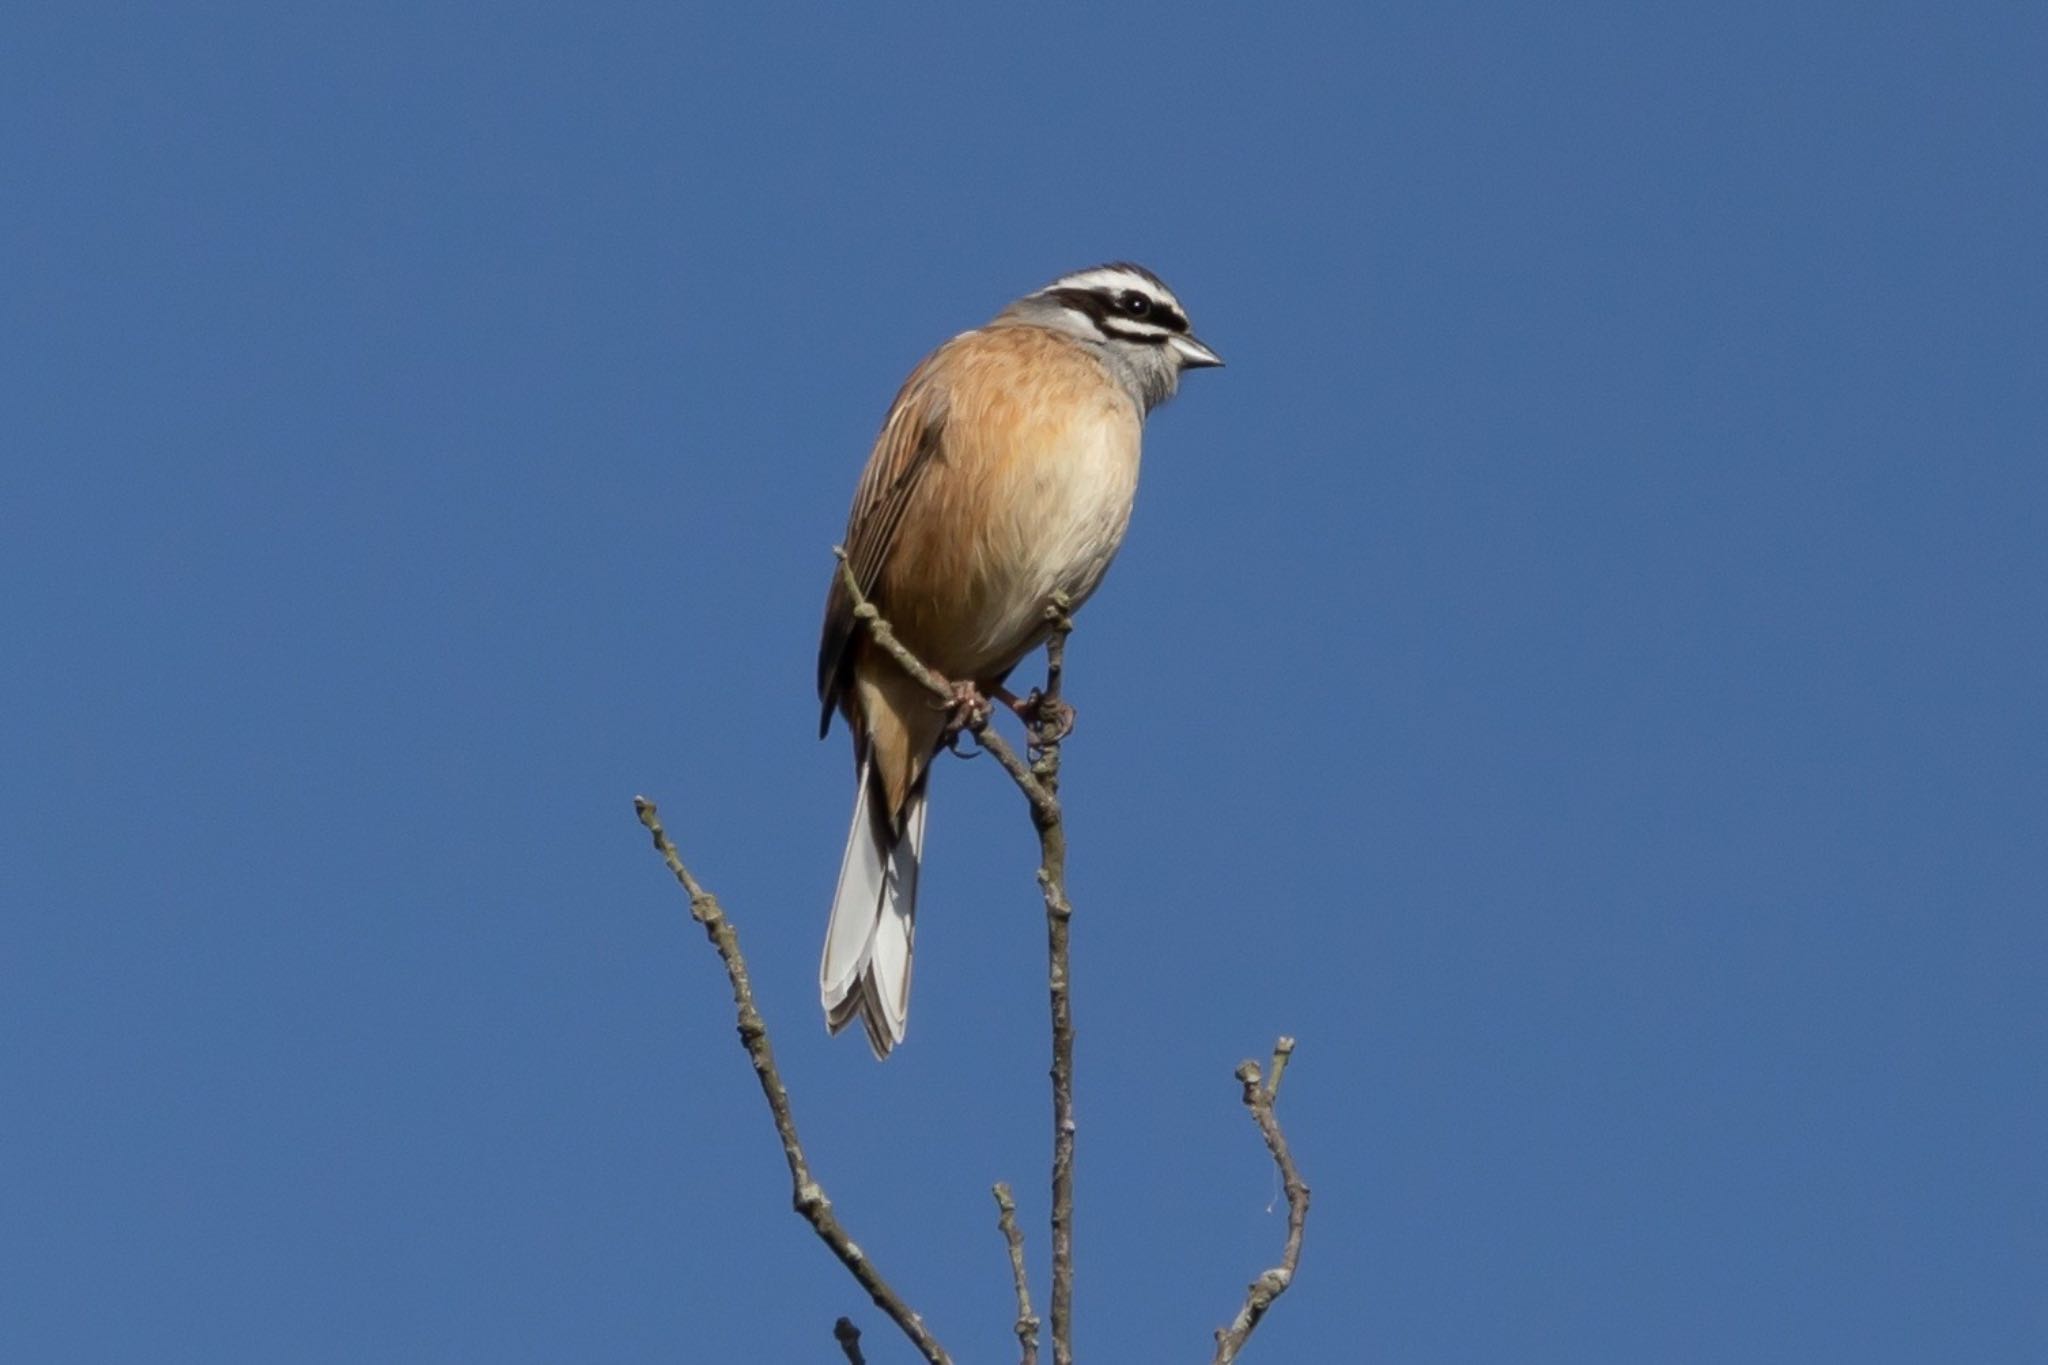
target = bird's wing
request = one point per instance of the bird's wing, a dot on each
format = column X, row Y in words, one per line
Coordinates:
column 905, row 450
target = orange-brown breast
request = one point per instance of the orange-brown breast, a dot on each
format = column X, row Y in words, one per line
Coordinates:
column 1029, row 493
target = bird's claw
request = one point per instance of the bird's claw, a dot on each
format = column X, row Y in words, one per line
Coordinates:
column 1051, row 719
column 1047, row 720
column 966, row 712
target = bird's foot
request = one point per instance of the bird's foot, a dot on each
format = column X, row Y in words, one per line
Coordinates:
column 1055, row 719
column 966, row 712
column 1049, row 719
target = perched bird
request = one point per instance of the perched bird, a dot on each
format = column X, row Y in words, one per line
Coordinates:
column 1003, row 475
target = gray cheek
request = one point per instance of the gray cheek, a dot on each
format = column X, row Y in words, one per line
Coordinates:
column 1147, row 373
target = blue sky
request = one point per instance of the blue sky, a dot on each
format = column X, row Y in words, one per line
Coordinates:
column 1579, row 669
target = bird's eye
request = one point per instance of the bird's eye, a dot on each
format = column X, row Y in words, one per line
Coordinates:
column 1134, row 303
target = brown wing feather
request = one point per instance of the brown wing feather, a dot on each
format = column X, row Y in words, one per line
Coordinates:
column 905, row 449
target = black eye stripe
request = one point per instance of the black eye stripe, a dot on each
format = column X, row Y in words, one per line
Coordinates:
column 1102, row 305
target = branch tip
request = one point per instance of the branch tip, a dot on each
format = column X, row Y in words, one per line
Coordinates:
column 1282, row 1050
column 1271, row 1284
column 1026, row 1325
column 848, row 1337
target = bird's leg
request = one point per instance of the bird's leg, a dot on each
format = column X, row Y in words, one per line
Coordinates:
column 1049, row 721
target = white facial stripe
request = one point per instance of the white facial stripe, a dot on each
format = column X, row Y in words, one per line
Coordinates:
column 1104, row 278
column 1138, row 325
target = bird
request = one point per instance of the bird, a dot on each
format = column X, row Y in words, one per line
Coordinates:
column 1001, row 481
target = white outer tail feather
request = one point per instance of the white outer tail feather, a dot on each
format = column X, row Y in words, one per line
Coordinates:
column 866, row 967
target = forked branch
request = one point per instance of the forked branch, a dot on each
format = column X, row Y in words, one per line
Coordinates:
column 1038, row 780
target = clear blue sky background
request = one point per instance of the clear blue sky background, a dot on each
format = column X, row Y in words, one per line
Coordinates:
column 1580, row 669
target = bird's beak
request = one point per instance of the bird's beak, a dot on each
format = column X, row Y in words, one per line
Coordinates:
column 1193, row 354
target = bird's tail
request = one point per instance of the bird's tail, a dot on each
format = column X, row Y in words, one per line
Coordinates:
column 866, row 967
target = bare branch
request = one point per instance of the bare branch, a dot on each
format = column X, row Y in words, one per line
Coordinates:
column 1013, row 1237
column 1040, row 782
column 1052, row 882
column 807, row 1194
column 1258, row 1098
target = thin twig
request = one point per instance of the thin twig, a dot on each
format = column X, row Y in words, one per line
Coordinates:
column 807, row 1194
column 1059, row 911
column 1013, row 1237
column 1040, row 783
column 980, row 724
column 848, row 1337
column 1259, row 1097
